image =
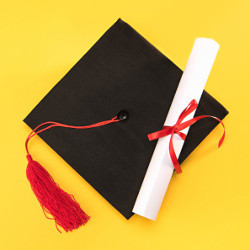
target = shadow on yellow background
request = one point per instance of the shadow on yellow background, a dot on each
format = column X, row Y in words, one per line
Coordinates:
column 206, row 207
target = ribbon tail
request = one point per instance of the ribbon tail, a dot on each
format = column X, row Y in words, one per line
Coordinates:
column 221, row 140
column 173, row 156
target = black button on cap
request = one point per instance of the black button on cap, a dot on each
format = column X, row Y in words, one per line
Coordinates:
column 123, row 115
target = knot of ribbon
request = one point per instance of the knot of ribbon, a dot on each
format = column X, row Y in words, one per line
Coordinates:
column 178, row 127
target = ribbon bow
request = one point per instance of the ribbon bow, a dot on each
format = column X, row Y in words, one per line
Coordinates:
column 176, row 129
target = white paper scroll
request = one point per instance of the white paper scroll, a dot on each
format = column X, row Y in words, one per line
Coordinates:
column 160, row 169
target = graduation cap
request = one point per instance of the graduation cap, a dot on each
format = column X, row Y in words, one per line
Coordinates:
column 118, row 92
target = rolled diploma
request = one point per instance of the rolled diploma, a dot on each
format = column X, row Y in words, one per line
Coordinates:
column 191, row 86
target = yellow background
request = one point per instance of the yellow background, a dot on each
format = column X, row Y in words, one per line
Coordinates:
column 206, row 207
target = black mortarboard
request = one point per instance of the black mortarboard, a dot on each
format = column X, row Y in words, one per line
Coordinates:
column 122, row 71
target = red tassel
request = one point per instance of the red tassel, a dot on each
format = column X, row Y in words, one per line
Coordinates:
column 66, row 212
column 62, row 206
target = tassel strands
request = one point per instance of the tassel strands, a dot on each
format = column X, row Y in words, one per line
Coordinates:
column 62, row 206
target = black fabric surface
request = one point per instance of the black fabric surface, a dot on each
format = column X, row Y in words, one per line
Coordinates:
column 122, row 71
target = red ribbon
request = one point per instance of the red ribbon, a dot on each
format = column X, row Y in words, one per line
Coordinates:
column 176, row 129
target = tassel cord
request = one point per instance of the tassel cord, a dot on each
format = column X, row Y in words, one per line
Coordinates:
column 52, row 124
